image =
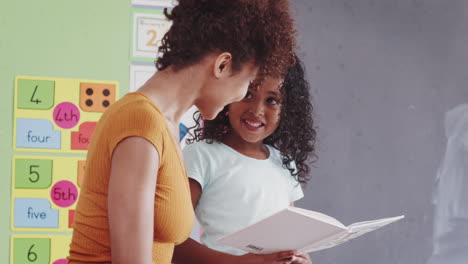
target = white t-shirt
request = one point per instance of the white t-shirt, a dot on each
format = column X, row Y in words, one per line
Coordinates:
column 237, row 190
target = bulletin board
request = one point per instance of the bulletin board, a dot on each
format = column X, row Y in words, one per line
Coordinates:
column 55, row 116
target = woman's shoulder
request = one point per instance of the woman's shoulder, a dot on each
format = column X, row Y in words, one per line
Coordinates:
column 134, row 115
column 132, row 111
column 134, row 103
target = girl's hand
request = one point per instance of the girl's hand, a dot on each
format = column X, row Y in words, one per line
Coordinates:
column 301, row 259
column 283, row 257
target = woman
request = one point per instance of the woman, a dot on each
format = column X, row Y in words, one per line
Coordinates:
column 134, row 205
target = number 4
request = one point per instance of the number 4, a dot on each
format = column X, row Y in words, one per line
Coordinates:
column 37, row 101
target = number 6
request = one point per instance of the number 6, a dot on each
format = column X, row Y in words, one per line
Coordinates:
column 30, row 253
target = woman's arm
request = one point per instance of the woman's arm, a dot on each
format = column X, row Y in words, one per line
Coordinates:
column 132, row 187
column 193, row 252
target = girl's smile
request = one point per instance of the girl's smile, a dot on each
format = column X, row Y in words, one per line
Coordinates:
column 252, row 125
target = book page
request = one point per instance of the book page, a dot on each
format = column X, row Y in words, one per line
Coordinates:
column 286, row 230
column 325, row 243
column 354, row 230
column 372, row 225
column 319, row 216
column 361, row 228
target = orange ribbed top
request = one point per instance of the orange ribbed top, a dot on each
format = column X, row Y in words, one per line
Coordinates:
column 133, row 115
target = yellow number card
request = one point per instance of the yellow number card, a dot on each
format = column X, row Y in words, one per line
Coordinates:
column 45, row 190
column 58, row 115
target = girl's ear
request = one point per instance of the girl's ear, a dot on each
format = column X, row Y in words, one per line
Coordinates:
column 223, row 65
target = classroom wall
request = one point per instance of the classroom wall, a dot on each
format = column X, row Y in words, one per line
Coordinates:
column 383, row 75
column 55, row 38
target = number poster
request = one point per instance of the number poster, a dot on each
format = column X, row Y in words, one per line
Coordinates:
column 44, row 192
column 54, row 116
column 149, row 27
column 58, row 115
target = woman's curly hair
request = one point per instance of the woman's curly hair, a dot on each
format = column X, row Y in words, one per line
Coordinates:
column 295, row 136
column 261, row 31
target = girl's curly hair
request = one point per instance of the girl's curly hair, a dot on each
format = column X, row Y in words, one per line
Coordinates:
column 295, row 136
column 261, row 31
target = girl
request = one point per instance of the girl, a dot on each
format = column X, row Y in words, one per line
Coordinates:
column 248, row 165
column 134, row 204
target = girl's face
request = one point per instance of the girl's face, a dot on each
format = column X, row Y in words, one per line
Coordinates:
column 220, row 92
column 257, row 116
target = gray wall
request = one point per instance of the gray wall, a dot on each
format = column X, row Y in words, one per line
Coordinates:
column 383, row 75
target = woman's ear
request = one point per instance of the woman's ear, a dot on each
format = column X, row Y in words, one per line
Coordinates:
column 223, row 65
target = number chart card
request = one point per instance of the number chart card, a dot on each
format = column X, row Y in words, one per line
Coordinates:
column 44, row 192
column 161, row 3
column 52, row 249
column 58, row 115
column 139, row 74
column 149, row 27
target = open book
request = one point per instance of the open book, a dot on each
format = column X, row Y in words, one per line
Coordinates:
column 298, row 229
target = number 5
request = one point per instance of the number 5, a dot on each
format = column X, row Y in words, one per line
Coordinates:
column 33, row 172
